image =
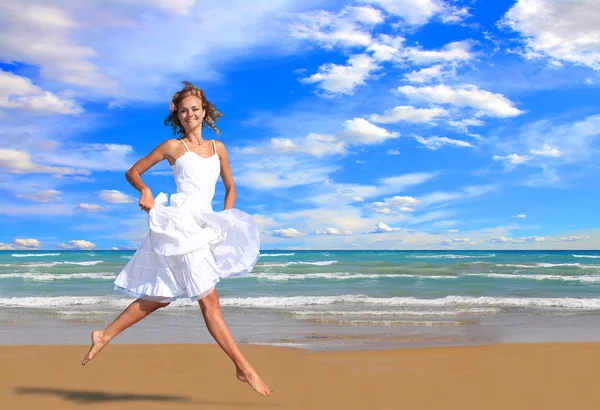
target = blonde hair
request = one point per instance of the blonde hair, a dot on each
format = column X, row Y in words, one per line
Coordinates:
column 211, row 114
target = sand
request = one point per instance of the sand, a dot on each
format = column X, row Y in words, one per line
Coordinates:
column 511, row 376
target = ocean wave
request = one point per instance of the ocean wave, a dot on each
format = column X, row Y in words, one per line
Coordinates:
column 393, row 322
column 283, row 302
column 285, row 264
column 450, row 256
column 262, row 255
column 395, row 312
column 297, row 301
column 57, row 276
column 27, row 255
column 336, row 276
column 587, row 256
column 548, row 265
column 582, row 278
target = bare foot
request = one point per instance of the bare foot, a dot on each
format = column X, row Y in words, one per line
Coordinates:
column 254, row 380
column 98, row 343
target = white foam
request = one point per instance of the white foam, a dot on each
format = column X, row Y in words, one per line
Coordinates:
column 64, row 276
column 337, row 276
column 26, row 255
column 279, row 302
column 582, row 278
column 284, row 264
column 50, row 264
column 297, row 301
column 451, row 256
column 262, row 255
column 587, row 256
column 395, row 312
column 392, row 322
column 548, row 265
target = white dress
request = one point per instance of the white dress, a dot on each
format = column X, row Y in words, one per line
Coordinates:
column 189, row 246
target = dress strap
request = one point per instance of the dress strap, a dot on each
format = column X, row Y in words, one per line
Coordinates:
column 214, row 146
column 184, row 144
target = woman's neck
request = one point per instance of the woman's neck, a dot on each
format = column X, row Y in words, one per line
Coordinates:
column 195, row 136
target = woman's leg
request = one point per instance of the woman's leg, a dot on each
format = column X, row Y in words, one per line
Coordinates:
column 135, row 312
column 211, row 310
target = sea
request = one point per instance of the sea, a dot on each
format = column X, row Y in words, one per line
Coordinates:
column 321, row 300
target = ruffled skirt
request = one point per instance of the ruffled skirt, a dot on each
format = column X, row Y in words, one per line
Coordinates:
column 187, row 252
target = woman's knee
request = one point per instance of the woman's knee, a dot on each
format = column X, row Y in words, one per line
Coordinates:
column 210, row 301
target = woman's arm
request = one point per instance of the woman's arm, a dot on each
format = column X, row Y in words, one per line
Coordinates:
column 159, row 153
column 226, row 176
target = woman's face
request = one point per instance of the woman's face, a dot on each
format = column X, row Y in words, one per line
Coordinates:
column 190, row 112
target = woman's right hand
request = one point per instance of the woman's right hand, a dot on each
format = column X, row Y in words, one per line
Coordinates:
column 146, row 201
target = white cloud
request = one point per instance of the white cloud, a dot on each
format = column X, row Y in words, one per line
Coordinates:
column 434, row 143
column 28, row 243
column 456, row 51
column 78, row 244
column 547, row 151
column 343, row 79
column 526, row 239
column 383, row 228
column 95, row 157
column 459, row 241
column 19, row 93
column 409, row 114
column 333, row 231
column 115, row 197
column 348, row 28
column 392, row 152
column 566, row 31
column 47, row 195
column 472, row 191
column 400, row 203
column 288, row 233
column 419, row 12
column 19, row 162
column 452, row 230
column 512, row 160
column 426, row 74
column 90, row 207
column 361, row 131
column 264, row 222
column 318, row 145
column 520, row 216
column 283, row 171
column 465, row 95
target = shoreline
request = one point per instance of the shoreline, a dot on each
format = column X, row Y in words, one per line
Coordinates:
column 156, row 376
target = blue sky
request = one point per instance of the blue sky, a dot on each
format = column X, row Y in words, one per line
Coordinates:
column 375, row 124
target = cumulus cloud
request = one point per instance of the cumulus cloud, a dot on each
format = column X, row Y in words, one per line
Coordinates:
column 20, row 162
column 547, row 151
column 512, row 160
column 359, row 130
column 115, row 197
column 383, row 228
column 349, row 28
column 465, row 95
column 28, row 243
column 19, row 93
column 90, row 207
column 434, row 143
column 318, row 145
column 408, row 113
column 392, row 152
column 47, row 195
column 343, row 79
column 419, row 12
column 529, row 239
column 565, row 31
column 288, row 233
column 520, row 216
column 456, row 51
column 332, row 231
column 427, row 74
column 459, row 241
column 398, row 203
column 78, row 244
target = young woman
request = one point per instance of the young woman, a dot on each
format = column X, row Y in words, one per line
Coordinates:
column 189, row 246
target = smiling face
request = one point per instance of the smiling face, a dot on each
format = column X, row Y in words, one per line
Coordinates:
column 190, row 113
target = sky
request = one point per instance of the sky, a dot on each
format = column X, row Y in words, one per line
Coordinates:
column 373, row 124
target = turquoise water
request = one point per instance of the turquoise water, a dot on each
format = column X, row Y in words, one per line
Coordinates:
column 384, row 293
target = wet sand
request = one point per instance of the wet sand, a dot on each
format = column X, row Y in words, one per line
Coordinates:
column 169, row 376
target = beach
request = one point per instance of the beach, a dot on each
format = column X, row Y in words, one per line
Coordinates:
column 173, row 376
